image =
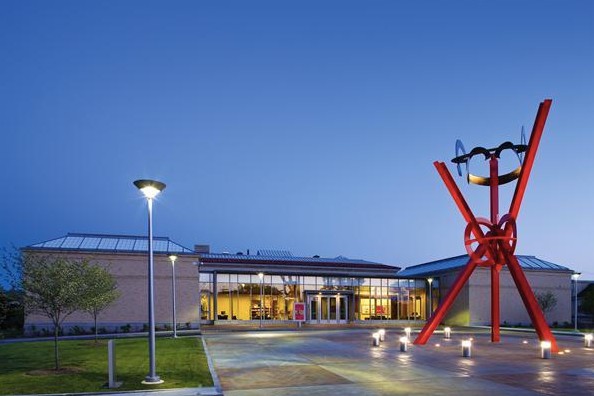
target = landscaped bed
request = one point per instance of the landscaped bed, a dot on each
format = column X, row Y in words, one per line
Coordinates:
column 28, row 367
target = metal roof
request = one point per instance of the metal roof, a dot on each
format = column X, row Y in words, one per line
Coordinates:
column 218, row 257
column 231, row 263
column 110, row 243
column 444, row 265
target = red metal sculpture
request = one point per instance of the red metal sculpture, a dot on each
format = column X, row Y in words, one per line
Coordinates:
column 491, row 242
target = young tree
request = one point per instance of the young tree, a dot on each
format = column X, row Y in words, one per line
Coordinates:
column 53, row 287
column 100, row 291
column 547, row 301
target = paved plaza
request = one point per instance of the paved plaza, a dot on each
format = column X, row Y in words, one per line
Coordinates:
column 344, row 362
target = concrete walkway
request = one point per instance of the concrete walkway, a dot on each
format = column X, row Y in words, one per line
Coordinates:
column 331, row 362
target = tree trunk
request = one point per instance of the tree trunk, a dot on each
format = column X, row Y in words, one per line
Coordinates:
column 56, row 356
column 96, row 330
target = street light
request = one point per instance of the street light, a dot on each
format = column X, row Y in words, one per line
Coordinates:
column 150, row 189
column 173, row 257
column 197, row 264
column 430, row 280
column 575, row 277
column 261, row 276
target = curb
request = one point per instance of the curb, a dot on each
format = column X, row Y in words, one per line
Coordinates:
column 213, row 373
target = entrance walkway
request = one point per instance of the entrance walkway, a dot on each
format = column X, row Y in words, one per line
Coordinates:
column 343, row 362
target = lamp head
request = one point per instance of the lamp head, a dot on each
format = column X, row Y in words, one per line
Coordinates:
column 429, row 280
column 575, row 276
column 150, row 188
column 261, row 275
column 172, row 257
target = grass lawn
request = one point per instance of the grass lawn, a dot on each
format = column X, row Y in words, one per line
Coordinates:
column 27, row 367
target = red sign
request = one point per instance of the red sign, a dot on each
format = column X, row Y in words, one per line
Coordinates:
column 299, row 311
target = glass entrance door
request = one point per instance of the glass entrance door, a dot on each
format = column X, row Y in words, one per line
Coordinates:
column 328, row 308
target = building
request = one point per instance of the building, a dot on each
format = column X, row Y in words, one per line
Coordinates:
column 126, row 258
column 335, row 290
column 473, row 305
column 222, row 288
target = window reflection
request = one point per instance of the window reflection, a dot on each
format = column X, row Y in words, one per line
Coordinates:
column 246, row 297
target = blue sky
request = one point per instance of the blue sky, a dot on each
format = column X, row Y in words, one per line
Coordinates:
column 309, row 126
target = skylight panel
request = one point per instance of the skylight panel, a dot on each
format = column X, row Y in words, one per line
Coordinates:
column 141, row 245
column 108, row 243
column 125, row 244
column 159, row 245
column 71, row 242
column 90, row 243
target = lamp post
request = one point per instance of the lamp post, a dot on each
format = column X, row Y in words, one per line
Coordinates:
column 261, row 276
column 197, row 264
column 150, row 189
column 173, row 257
column 575, row 277
column 430, row 280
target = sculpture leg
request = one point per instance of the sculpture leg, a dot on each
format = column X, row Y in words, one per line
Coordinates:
column 536, row 315
column 449, row 299
column 495, row 318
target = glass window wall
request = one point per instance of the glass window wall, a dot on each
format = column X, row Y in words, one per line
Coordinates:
column 247, row 297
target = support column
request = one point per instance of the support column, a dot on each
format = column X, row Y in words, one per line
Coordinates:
column 495, row 316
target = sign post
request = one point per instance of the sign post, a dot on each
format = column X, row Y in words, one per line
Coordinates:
column 299, row 313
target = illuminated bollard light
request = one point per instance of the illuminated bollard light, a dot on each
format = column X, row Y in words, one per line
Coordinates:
column 403, row 344
column 382, row 335
column 376, row 339
column 545, row 349
column 588, row 340
column 466, row 348
column 447, row 333
column 407, row 330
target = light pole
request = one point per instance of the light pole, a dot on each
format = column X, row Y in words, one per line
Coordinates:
column 197, row 264
column 430, row 280
column 150, row 189
column 261, row 276
column 173, row 257
column 575, row 277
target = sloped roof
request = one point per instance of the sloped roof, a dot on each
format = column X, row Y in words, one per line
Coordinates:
column 244, row 258
column 445, row 265
column 110, row 243
column 289, row 264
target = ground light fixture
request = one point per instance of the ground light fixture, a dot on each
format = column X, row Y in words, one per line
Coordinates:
column 382, row 334
column 466, row 348
column 376, row 339
column 403, row 344
column 150, row 189
column 545, row 349
column 588, row 340
column 172, row 258
column 447, row 333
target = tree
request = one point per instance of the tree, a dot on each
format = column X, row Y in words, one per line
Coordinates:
column 11, row 268
column 547, row 301
column 100, row 291
column 3, row 307
column 53, row 286
column 587, row 297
